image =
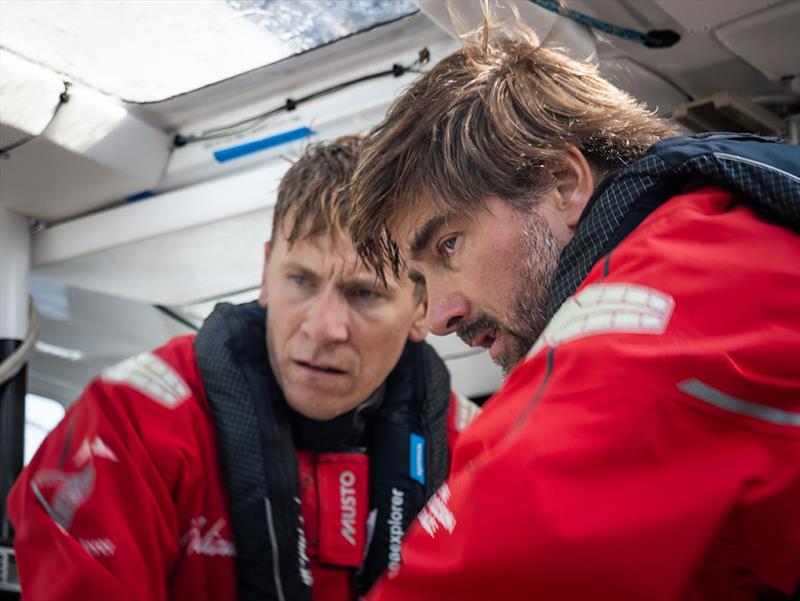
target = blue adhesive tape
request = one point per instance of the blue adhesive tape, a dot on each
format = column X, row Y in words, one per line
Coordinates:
column 235, row 152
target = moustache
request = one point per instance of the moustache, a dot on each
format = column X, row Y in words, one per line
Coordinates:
column 469, row 329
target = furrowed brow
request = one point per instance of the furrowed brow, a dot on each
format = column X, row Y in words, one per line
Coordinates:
column 300, row 268
column 423, row 235
column 370, row 283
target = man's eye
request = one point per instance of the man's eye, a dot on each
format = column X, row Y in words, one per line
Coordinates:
column 365, row 294
column 300, row 280
column 448, row 245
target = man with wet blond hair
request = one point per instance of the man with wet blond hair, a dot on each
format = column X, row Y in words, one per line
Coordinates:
column 642, row 291
column 277, row 454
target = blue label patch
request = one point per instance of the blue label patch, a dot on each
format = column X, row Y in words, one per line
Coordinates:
column 235, row 152
column 417, row 458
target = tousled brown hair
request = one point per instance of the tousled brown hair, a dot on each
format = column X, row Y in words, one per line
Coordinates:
column 314, row 194
column 491, row 119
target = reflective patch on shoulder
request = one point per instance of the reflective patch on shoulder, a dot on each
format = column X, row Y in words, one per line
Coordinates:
column 605, row 309
column 152, row 376
column 466, row 411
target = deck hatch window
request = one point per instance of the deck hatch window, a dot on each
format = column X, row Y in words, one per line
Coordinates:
column 147, row 50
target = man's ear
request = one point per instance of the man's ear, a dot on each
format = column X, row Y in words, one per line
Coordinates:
column 574, row 186
column 262, row 295
column 419, row 327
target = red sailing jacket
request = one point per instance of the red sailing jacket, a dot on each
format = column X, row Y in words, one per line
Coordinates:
column 649, row 447
column 126, row 499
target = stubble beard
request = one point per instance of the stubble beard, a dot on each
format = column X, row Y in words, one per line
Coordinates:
column 540, row 253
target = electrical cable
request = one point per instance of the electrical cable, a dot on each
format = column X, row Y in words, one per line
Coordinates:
column 15, row 361
column 63, row 98
column 657, row 38
column 291, row 104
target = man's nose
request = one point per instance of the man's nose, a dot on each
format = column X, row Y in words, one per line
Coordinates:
column 445, row 311
column 327, row 318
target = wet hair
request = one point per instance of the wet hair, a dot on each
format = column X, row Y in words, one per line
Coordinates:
column 314, row 194
column 491, row 119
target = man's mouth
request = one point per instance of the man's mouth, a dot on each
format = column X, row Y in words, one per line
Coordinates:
column 321, row 367
column 483, row 331
column 489, row 340
column 484, row 339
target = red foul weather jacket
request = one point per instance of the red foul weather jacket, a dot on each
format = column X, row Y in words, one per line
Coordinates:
column 127, row 497
column 648, row 449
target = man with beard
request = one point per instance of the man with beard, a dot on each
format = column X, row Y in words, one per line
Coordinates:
column 532, row 254
column 277, row 454
column 648, row 447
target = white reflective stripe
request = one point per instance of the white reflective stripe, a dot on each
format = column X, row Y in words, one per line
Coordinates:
column 466, row 411
column 703, row 392
column 607, row 308
column 152, row 376
column 738, row 159
column 273, row 541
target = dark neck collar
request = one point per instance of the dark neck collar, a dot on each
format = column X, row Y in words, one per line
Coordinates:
column 339, row 433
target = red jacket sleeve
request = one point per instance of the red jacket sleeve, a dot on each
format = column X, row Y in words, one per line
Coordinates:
column 93, row 512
